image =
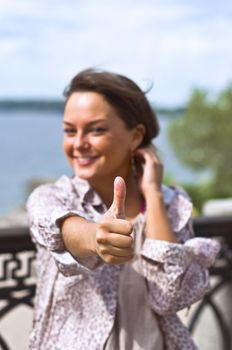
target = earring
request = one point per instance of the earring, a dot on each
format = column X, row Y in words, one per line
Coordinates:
column 133, row 165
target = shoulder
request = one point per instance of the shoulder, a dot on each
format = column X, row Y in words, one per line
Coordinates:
column 59, row 188
column 179, row 206
column 172, row 193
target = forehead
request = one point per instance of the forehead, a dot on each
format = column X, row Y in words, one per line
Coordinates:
column 88, row 105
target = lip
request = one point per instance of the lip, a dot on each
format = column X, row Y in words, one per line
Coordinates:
column 85, row 160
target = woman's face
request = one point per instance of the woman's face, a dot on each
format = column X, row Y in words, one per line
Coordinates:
column 97, row 143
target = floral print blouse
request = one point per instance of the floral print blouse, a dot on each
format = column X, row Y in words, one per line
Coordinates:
column 76, row 299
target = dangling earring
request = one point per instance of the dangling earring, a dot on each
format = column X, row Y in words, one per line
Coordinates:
column 133, row 166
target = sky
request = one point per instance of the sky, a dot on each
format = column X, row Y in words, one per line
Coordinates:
column 177, row 45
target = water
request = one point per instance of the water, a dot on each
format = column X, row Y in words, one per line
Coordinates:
column 31, row 148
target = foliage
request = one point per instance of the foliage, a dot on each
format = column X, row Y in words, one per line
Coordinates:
column 197, row 192
column 202, row 138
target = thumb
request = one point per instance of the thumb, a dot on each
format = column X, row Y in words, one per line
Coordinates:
column 118, row 204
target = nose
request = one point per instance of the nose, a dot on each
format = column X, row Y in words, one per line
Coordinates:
column 81, row 141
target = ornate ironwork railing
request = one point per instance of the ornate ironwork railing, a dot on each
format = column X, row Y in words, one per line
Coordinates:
column 220, row 228
column 17, row 273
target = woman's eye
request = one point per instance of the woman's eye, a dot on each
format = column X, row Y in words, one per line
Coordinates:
column 99, row 130
column 69, row 131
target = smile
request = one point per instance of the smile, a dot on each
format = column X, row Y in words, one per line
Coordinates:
column 85, row 161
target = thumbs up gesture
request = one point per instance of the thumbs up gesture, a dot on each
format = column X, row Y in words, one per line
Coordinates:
column 114, row 243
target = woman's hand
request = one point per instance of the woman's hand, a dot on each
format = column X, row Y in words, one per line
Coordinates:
column 149, row 170
column 110, row 239
column 150, row 174
column 114, row 243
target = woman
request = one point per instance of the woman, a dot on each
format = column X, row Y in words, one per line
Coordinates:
column 116, row 253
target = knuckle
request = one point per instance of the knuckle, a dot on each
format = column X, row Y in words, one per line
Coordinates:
column 128, row 227
column 129, row 242
column 109, row 259
column 101, row 237
column 104, row 223
column 118, row 213
column 103, row 251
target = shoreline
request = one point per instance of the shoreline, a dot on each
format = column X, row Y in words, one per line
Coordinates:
column 17, row 217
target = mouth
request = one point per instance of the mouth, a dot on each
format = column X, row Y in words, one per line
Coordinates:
column 85, row 160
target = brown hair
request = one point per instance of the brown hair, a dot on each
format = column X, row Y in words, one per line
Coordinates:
column 121, row 93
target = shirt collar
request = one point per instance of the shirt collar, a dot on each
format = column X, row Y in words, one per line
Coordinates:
column 88, row 195
column 85, row 192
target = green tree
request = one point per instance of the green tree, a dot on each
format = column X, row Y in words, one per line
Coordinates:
column 202, row 138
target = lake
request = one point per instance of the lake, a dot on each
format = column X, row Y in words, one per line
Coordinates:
column 31, row 148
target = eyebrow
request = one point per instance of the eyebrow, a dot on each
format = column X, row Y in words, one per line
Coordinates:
column 89, row 124
column 64, row 122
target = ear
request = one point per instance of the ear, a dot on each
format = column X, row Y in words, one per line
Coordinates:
column 137, row 136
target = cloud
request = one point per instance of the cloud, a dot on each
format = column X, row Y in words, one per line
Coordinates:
column 175, row 43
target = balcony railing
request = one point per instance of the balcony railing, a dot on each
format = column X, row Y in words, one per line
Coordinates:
column 17, row 271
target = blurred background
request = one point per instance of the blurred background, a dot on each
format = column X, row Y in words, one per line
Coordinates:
column 177, row 45
column 182, row 47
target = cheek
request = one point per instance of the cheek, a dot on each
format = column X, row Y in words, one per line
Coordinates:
column 103, row 145
column 116, row 150
column 67, row 147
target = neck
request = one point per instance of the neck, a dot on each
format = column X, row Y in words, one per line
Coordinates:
column 133, row 197
column 105, row 190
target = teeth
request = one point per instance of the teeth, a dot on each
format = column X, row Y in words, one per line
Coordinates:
column 85, row 158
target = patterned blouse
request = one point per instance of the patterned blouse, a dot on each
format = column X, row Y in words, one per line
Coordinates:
column 77, row 300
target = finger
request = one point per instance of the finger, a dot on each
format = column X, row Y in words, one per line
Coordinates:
column 118, row 204
column 115, row 251
column 126, row 242
column 120, row 226
column 154, row 152
column 149, row 155
column 151, row 149
column 145, row 158
column 116, row 259
column 115, row 240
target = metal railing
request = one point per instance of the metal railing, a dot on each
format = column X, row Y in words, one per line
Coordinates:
column 17, row 272
column 18, row 280
column 220, row 228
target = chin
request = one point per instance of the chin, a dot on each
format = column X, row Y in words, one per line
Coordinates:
column 85, row 174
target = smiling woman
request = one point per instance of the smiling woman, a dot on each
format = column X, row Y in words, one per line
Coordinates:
column 116, row 253
column 92, row 133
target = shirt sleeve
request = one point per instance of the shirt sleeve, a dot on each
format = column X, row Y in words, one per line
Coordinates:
column 177, row 273
column 46, row 207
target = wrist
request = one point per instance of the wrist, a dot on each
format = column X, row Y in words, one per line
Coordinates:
column 154, row 202
column 79, row 236
column 92, row 239
column 153, row 193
